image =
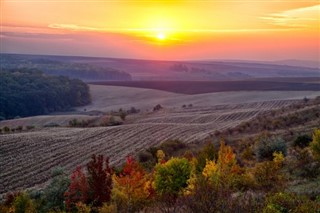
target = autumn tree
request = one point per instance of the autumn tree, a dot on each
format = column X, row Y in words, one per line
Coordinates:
column 99, row 180
column 78, row 189
column 131, row 187
column 207, row 153
column 225, row 170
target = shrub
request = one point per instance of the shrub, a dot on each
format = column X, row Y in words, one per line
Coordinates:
column 133, row 110
column 23, row 203
column 19, row 128
column 6, row 129
column 51, row 125
column 172, row 146
column 315, row 145
column 289, row 202
column 74, row 122
column 145, row 156
column 265, row 147
column 30, row 127
column 54, row 192
column 10, row 197
column 122, row 115
column 304, row 164
column 208, row 152
column 267, row 174
column 171, row 177
column 113, row 122
column 302, row 141
column 208, row 198
column 157, row 107
column 247, row 153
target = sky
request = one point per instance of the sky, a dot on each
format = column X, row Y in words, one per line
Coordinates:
column 163, row 29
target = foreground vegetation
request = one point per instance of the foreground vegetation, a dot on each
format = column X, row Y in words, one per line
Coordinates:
column 211, row 180
column 26, row 92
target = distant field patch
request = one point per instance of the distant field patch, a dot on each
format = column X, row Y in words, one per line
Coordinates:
column 199, row 87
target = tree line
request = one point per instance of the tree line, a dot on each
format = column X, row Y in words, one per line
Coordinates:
column 29, row 92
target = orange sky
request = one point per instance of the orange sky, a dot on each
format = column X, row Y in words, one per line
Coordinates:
column 163, row 29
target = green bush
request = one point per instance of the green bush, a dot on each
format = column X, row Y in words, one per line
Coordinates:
column 6, row 129
column 23, row 204
column 145, row 156
column 54, row 192
column 30, row 127
column 266, row 146
column 315, row 145
column 171, row 178
column 157, row 107
column 170, row 147
column 19, row 128
column 289, row 202
column 302, row 141
column 304, row 164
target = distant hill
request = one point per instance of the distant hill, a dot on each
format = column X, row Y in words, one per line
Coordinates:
column 299, row 63
column 113, row 69
column 65, row 66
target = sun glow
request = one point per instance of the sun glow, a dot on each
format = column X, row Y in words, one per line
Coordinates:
column 161, row 36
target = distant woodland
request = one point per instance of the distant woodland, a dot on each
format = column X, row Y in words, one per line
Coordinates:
column 25, row 92
column 63, row 66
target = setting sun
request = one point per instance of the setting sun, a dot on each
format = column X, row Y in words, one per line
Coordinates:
column 161, row 36
column 185, row 30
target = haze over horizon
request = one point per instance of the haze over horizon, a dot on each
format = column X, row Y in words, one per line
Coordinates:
column 162, row 29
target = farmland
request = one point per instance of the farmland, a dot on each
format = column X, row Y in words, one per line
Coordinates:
column 27, row 157
column 200, row 87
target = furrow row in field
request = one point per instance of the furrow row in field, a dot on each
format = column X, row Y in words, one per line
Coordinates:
column 27, row 158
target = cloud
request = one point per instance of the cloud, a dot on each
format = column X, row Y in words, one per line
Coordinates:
column 73, row 27
column 306, row 17
column 34, row 35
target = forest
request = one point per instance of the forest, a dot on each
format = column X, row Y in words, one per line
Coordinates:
column 29, row 92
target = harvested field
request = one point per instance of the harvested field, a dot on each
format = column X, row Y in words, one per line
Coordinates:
column 106, row 98
column 44, row 120
column 27, row 158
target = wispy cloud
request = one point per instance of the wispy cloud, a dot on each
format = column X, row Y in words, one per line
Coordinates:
column 306, row 17
column 74, row 27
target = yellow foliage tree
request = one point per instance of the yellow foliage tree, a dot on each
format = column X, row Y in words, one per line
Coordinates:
column 160, row 156
column 225, row 170
column 315, row 144
column 130, row 187
column 267, row 174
